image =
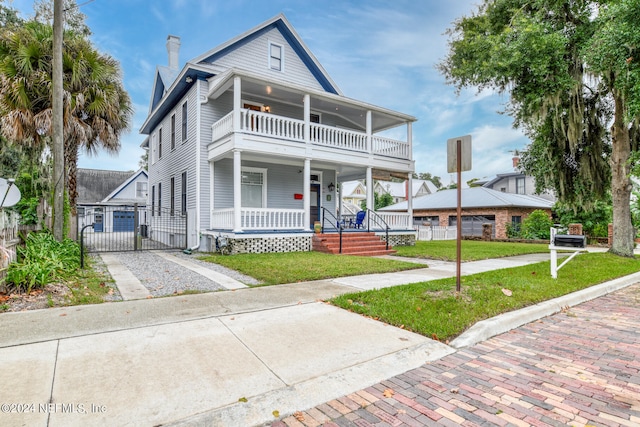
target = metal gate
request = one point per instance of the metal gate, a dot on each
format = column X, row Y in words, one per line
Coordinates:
column 131, row 228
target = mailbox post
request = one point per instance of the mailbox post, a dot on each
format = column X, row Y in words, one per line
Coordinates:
column 564, row 242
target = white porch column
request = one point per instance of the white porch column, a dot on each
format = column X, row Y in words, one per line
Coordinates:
column 410, row 199
column 237, row 190
column 237, row 102
column 306, row 192
column 307, row 118
column 410, row 139
column 212, row 201
column 369, row 184
column 369, row 133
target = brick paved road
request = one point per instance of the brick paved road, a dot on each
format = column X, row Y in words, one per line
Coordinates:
column 579, row 367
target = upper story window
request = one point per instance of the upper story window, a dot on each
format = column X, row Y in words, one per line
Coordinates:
column 184, row 122
column 159, row 143
column 141, row 190
column 276, row 57
column 173, row 131
column 520, row 186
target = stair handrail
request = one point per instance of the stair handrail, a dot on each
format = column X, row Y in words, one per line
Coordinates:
column 338, row 224
column 378, row 220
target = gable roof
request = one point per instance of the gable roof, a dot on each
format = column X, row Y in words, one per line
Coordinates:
column 97, row 186
column 115, row 192
column 348, row 187
column 170, row 86
column 281, row 23
column 398, row 189
column 474, row 197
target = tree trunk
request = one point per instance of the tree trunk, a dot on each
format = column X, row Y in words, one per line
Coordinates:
column 623, row 231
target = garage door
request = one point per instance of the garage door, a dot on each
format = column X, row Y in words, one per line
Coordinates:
column 123, row 220
column 472, row 224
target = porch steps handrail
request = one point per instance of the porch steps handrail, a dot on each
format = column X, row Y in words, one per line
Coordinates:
column 327, row 213
column 373, row 216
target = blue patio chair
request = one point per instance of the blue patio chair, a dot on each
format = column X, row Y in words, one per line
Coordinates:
column 359, row 219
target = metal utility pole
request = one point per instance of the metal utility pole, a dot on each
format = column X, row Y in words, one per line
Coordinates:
column 57, row 116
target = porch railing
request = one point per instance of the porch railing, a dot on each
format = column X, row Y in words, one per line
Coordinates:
column 272, row 125
column 260, row 219
column 222, row 127
column 267, row 124
column 395, row 221
column 390, row 147
column 339, row 138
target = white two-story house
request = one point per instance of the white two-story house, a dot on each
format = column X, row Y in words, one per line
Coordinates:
column 251, row 138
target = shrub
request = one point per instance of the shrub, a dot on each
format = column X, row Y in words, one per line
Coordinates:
column 43, row 260
column 537, row 225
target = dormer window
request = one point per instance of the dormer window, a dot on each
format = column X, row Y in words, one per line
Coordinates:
column 276, row 57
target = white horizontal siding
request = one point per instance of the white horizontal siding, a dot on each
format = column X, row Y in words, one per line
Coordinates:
column 254, row 57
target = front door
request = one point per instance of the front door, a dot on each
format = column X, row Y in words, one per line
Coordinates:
column 97, row 223
column 314, row 203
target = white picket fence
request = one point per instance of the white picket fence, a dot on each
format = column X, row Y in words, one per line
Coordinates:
column 436, row 232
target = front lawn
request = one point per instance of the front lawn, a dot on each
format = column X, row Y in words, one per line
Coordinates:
column 435, row 310
column 472, row 250
column 291, row 267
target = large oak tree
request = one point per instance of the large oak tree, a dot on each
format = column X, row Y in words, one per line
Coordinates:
column 572, row 69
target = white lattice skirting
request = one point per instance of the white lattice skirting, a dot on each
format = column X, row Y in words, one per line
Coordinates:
column 261, row 245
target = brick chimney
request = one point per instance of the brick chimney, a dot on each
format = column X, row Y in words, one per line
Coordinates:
column 173, row 48
column 516, row 161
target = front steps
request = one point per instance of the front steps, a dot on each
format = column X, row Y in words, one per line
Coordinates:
column 353, row 243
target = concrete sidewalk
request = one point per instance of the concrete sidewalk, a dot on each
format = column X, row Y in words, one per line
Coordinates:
column 232, row 358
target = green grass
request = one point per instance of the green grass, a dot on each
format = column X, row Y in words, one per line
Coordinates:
column 88, row 286
column 472, row 250
column 292, row 267
column 435, row 310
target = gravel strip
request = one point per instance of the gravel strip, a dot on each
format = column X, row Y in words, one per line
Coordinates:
column 163, row 278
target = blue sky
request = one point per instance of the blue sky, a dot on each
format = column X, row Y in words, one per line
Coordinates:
column 381, row 52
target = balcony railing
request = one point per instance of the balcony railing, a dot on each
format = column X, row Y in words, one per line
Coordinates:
column 274, row 126
column 260, row 219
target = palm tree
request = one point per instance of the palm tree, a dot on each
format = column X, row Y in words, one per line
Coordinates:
column 97, row 109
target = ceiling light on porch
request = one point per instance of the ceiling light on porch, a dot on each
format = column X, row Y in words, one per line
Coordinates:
column 269, row 90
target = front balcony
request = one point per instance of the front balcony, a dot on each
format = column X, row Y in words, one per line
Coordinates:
column 284, row 128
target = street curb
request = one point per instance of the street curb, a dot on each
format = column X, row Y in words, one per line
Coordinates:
column 258, row 410
column 486, row 329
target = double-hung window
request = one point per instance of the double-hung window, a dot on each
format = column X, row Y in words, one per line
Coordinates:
column 172, row 194
column 254, row 188
column 173, row 131
column 183, row 194
column 276, row 57
column 184, row 122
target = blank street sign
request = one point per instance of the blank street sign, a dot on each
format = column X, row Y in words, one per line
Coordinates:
column 452, row 154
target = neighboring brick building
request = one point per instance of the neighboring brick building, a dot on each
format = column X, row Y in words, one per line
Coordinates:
column 479, row 206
